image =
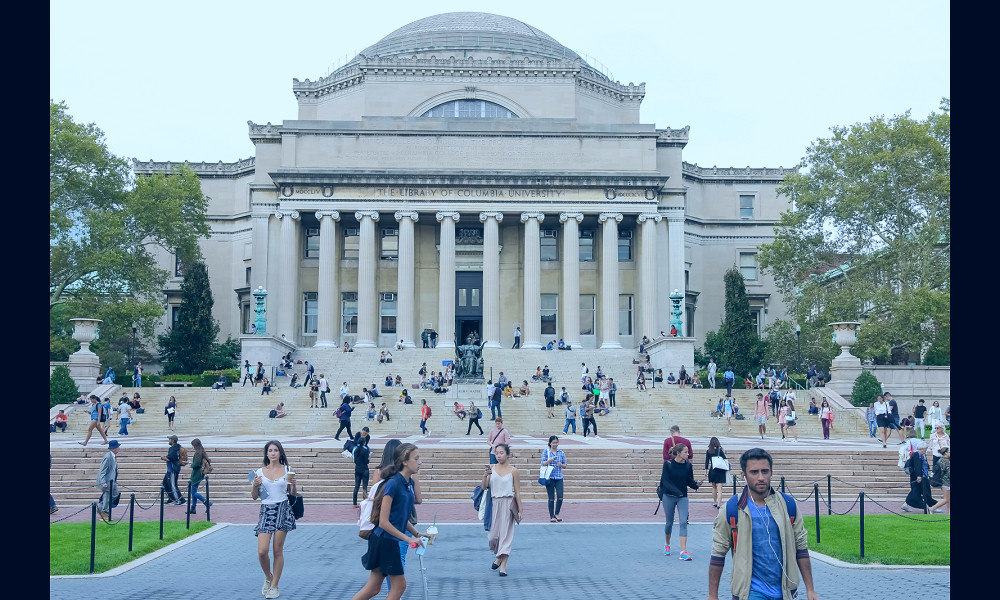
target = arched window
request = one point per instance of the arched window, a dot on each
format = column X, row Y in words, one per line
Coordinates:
column 470, row 109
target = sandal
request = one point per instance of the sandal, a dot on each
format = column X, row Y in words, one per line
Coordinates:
column 559, row 519
column 552, row 520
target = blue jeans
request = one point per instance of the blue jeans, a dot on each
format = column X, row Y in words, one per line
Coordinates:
column 568, row 423
column 123, row 430
column 495, row 411
column 871, row 428
column 423, row 426
column 195, row 495
column 138, row 380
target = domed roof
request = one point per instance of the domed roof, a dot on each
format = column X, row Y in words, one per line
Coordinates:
column 475, row 31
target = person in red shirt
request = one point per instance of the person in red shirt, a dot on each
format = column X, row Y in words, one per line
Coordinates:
column 675, row 438
column 61, row 421
column 425, row 413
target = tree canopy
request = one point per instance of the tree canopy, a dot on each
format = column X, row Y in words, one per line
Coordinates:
column 736, row 344
column 869, row 235
column 188, row 346
column 105, row 227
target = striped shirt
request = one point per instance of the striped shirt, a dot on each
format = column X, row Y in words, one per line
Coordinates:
column 560, row 460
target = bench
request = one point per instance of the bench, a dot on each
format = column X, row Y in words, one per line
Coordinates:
column 174, row 383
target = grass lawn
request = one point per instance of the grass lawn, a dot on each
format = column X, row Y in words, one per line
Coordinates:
column 889, row 539
column 69, row 544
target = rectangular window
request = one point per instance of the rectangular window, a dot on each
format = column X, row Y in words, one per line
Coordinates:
column 474, row 297
column 349, row 312
column 588, row 314
column 310, row 310
column 352, row 243
column 248, row 275
column 746, row 206
column 755, row 319
column 175, row 314
column 463, row 297
column 748, row 265
column 387, row 312
column 587, row 246
column 624, row 245
column 549, row 245
column 550, row 313
column 312, row 242
column 625, row 314
column 390, row 244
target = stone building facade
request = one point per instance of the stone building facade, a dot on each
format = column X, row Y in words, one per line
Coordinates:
column 469, row 173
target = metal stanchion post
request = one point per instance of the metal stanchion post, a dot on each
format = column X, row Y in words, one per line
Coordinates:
column 93, row 533
column 161, row 512
column 208, row 502
column 861, row 499
column 131, row 519
column 782, row 484
column 829, row 496
column 816, row 491
column 187, row 512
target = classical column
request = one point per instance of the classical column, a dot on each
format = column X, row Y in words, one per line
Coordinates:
column 367, row 305
column 609, row 279
column 570, row 305
column 404, row 287
column 326, row 290
column 446, row 286
column 491, row 277
column 675, row 258
column 288, row 273
column 531, row 328
column 258, row 260
column 647, row 275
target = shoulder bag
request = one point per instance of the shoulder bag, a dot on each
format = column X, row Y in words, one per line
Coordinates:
column 720, row 463
column 295, row 501
column 545, row 471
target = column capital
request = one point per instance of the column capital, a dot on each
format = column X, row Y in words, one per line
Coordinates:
column 371, row 214
column 605, row 216
column 440, row 216
column 674, row 215
column 643, row 217
column 399, row 215
column 322, row 214
column 483, row 216
column 532, row 215
column 563, row 217
column 291, row 214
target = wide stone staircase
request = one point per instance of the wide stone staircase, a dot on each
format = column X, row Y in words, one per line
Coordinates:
column 448, row 475
column 243, row 410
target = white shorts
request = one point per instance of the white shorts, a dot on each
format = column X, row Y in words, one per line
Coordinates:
column 761, row 420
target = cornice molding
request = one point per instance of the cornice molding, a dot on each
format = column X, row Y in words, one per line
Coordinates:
column 355, row 178
column 205, row 170
column 264, row 134
column 726, row 174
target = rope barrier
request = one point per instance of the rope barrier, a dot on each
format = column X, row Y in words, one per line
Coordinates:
column 907, row 516
column 803, row 499
column 87, row 507
column 830, row 506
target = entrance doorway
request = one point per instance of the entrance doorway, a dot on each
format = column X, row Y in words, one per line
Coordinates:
column 469, row 305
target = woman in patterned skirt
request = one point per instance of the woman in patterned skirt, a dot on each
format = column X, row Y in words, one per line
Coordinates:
column 271, row 485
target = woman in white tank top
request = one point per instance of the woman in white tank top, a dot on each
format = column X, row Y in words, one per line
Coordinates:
column 504, row 483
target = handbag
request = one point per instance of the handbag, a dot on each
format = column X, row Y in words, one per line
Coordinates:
column 295, row 501
column 544, row 473
column 720, row 463
column 206, row 466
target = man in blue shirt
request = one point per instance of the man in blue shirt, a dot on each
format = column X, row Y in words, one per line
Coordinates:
column 729, row 378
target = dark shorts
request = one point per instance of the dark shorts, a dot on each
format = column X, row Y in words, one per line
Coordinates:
column 383, row 554
column 882, row 420
column 549, row 403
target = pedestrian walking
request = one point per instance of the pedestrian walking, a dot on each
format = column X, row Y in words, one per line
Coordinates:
column 550, row 399
column 790, row 420
column 934, row 417
column 425, row 413
column 588, row 417
column 138, row 374
column 517, row 338
column 782, row 415
column 727, row 410
column 391, row 510
column 760, row 415
column 826, row 418
column 729, row 378
column 107, row 481
column 201, row 464
column 504, row 482
column 920, row 482
column 675, row 479
column 612, row 390
column 870, row 418
column 474, row 415
column 554, row 457
column 247, row 373
column 715, row 475
column 944, row 465
column 759, row 514
column 324, row 389
column 496, row 437
column 570, row 416
column 95, row 420
column 344, row 414
column 124, row 416
column 272, row 484
column 173, row 461
column 712, row 367
column 362, row 454
column 170, row 410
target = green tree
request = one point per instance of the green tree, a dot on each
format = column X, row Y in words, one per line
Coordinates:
column 105, row 231
column 62, row 388
column 866, row 389
column 869, row 234
column 782, row 346
column 189, row 346
column 737, row 343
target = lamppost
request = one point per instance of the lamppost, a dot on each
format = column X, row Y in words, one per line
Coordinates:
column 798, row 338
column 134, row 331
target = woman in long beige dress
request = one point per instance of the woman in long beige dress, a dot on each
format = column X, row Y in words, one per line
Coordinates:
column 504, row 482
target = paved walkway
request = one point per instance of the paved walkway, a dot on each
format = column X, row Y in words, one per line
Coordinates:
column 558, row 562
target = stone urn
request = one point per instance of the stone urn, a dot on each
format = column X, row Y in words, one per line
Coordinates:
column 845, row 335
column 85, row 331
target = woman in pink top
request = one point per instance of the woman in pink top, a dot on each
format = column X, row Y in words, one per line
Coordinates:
column 497, row 436
column 826, row 417
column 782, row 414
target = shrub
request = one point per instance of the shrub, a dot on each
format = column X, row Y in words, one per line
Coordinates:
column 866, row 389
column 62, row 388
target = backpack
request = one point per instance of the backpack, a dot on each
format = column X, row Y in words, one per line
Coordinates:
column 183, row 456
column 479, row 414
column 428, row 411
column 937, row 477
column 733, row 514
column 340, row 412
column 369, row 515
column 272, row 414
column 904, row 459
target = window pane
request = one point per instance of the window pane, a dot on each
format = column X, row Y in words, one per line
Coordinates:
column 474, row 293
column 549, row 312
column 312, row 242
column 625, row 314
column 310, row 311
column 352, row 243
column 349, row 312
column 587, row 313
column 624, row 249
column 549, row 249
column 470, row 109
column 461, row 297
column 586, row 246
column 746, row 207
column 387, row 313
column 748, row 265
column 390, row 244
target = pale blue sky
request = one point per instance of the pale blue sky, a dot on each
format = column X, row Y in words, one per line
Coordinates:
column 757, row 82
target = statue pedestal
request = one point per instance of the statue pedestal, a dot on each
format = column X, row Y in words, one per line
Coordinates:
column 465, row 390
column 669, row 354
column 846, row 367
column 263, row 348
column 84, row 367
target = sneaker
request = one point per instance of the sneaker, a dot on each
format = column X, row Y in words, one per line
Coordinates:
column 53, row 509
column 272, row 592
column 685, row 555
column 905, row 508
column 938, row 510
column 730, row 429
column 597, row 437
column 666, row 550
column 265, row 587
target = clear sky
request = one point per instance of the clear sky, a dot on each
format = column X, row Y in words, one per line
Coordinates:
column 756, row 81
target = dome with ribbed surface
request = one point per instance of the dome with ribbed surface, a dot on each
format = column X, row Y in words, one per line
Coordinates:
column 469, row 31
